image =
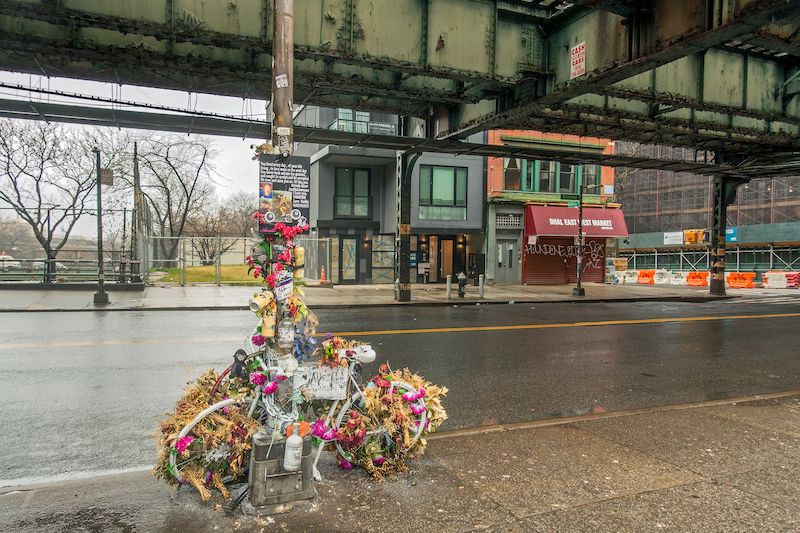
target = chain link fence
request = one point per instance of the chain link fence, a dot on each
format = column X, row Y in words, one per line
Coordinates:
column 217, row 260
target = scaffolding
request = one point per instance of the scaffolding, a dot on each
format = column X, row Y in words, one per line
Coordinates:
column 661, row 201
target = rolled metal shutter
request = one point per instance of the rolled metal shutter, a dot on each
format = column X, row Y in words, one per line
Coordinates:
column 546, row 269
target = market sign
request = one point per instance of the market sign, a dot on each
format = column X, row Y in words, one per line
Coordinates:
column 577, row 56
column 283, row 190
column 564, row 222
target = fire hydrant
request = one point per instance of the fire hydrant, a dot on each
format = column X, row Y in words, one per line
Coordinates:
column 462, row 284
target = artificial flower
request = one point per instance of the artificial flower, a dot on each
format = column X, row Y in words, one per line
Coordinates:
column 183, row 443
column 270, row 387
column 258, row 378
column 417, row 409
column 344, row 464
column 258, row 339
column 257, row 271
column 378, row 461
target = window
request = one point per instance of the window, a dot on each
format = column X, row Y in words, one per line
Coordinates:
column 442, row 193
column 352, row 199
column 547, row 176
column 566, row 178
column 590, row 178
column 445, row 186
column 511, row 174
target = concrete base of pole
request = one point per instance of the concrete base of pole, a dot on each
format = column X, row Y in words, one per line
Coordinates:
column 100, row 298
column 578, row 291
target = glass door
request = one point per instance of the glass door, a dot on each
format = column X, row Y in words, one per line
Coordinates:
column 348, row 259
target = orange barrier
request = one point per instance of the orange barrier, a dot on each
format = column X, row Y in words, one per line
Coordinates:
column 742, row 280
column 646, row 277
column 697, row 279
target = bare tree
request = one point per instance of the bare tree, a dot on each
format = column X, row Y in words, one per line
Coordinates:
column 15, row 234
column 46, row 176
column 237, row 211
column 207, row 226
column 176, row 180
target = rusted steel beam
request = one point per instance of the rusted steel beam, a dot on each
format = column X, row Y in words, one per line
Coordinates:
column 678, row 101
column 750, row 19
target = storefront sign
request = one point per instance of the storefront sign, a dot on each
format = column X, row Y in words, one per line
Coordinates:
column 673, row 238
column 546, row 221
column 284, row 187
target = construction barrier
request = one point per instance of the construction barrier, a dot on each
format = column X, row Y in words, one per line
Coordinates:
column 619, row 277
column 631, row 277
column 781, row 280
column 697, row 279
column 662, row 277
column 646, row 277
column 678, row 278
column 741, row 280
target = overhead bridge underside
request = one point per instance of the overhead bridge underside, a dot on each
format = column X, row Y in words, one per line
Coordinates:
column 718, row 74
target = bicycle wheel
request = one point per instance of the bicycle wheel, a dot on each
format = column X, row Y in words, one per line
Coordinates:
column 373, row 439
column 211, row 450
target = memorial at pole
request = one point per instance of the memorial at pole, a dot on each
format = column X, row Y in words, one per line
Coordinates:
column 290, row 393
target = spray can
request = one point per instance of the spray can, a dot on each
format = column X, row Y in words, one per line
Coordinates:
column 293, row 452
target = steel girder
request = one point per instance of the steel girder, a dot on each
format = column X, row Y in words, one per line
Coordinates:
column 712, row 73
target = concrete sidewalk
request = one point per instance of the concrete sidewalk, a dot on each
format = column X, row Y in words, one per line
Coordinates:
column 235, row 297
column 717, row 466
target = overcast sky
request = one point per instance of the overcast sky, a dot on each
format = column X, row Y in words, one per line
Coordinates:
column 236, row 170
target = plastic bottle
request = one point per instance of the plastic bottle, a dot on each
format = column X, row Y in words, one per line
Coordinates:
column 293, row 453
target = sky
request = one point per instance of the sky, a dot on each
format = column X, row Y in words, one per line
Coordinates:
column 234, row 167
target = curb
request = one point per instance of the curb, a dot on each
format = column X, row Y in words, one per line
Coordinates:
column 447, row 303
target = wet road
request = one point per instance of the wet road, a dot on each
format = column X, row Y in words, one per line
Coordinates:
column 83, row 392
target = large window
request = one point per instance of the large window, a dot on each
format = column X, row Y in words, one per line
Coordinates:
column 352, row 199
column 566, row 178
column 442, row 193
column 547, row 176
column 590, row 177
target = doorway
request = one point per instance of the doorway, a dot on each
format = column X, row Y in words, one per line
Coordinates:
column 507, row 262
column 348, row 259
column 446, row 247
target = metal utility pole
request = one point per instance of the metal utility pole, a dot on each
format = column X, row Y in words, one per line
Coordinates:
column 101, row 296
column 137, row 193
column 283, row 77
column 579, row 290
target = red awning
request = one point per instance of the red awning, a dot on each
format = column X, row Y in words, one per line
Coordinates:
column 549, row 221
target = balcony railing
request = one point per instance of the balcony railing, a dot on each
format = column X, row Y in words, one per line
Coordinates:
column 357, row 126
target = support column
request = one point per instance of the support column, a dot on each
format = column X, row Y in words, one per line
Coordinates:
column 405, row 168
column 723, row 194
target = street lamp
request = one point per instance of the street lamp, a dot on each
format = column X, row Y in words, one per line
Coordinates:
column 101, row 296
column 579, row 290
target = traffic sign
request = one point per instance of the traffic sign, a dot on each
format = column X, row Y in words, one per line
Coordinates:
column 573, row 204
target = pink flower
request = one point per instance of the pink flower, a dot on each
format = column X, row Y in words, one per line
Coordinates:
column 378, row 461
column 272, row 280
column 259, row 340
column 281, row 377
column 270, row 387
column 410, row 396
column 420, row 393
column 329, row 435
column 183, row 443
column 249, row 260
column 417, row 409
column 256, row 271
column 318, row 428
column 258, row 378
column 344, row 464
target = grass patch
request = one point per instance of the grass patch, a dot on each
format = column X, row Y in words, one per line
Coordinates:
column 205, row 274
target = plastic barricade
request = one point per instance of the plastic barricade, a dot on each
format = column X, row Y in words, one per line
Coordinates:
column 778, row 279
column 741, row 280
column 697, row 279
column 646, row 277
column 631, row 277
column 678, row 278
column 775, row 280
column 619, row 278
column 662, row 277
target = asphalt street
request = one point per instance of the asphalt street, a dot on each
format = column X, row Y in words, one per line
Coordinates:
column 83, row 392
